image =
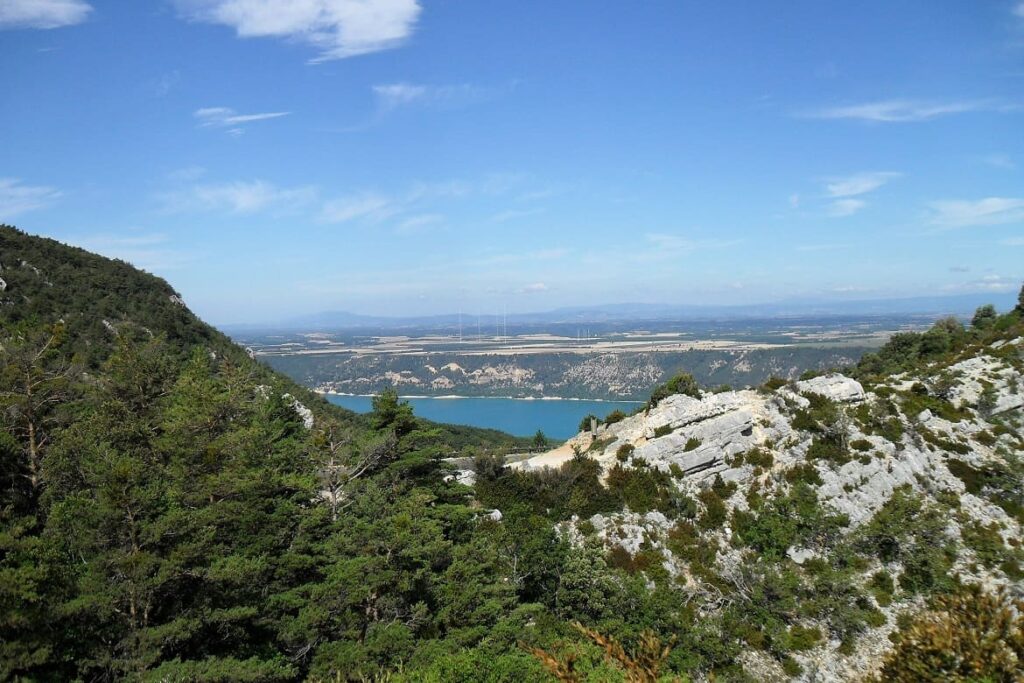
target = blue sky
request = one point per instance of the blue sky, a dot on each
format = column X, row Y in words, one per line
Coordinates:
column 396, row 157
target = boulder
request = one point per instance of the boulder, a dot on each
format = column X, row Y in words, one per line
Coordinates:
column 834, row 387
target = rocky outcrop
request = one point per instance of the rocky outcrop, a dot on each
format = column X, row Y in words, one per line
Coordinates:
column 925, row 433
column 304, row 413
column 834, row 387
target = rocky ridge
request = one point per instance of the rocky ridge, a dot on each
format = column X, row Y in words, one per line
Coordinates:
column 931, row 435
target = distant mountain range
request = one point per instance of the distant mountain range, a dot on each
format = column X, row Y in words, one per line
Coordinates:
column 962, row 304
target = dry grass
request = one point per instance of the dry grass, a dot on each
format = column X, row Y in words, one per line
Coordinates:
column 643, row 665
column 970, row 636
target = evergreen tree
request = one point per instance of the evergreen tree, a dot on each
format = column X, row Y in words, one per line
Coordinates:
column 984, row 317
column 389, row 413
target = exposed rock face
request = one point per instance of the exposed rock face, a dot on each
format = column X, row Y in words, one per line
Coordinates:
column 833, row 387
column 703, row 434
column 625, row 375
column 975, row 420
column 305, row 413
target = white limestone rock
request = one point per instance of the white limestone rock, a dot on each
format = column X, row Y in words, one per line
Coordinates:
column 835, row 387
column 305, row 413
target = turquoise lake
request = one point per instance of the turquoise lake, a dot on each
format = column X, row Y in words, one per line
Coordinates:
column 557, row 418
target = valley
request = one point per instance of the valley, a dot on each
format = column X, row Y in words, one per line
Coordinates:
column 602, row 361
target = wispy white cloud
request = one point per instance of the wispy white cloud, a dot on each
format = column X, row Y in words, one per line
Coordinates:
column 397, row 94
column 417, row 223
column 513, row 214
column 794, row 200
column 549, row 254
column 822, row 247
column 961, row 213
column 225, row 117
column 17, row 198
column 362, row 206
column 42, row 13
column 841, row 208
column 149, row 251
column 489, row 185
column 186, row 174
column 240, row 197
column 377, row 206
column 989, row 283
column 903, row 111
column 166, row 83
column 1019, row 10
column 534, row 288
column 669, row 244
column 336, row 28
column 537, row 195
column 394, row 95
column 1012, row 242
column 998, row 160
column 859, row 183
column 845, row 192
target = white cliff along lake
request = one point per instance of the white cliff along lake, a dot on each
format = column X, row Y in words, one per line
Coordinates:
column 558, row 418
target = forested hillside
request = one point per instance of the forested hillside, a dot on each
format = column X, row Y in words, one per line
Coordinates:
column 171, row 510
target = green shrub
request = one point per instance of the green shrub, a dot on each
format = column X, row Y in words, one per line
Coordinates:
column 985, row 541
column 792, row 667
column 829, row 448
column 663, row 430
column 805, row 473
column 722, row 489
column 772, row 384
column 714, row 515
column 645, row 489
column 683, row 383
column 874, row 618
column 803, row 637
column 784, row 521
column 882, row 587
column 688, row 544
column 914, row 403
column 862, row 445
column 909, row 531
column 760, row 458
column 693, row 443
column 623, row 452
column 614, row 416
column 587, row 422
column 997, row 482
